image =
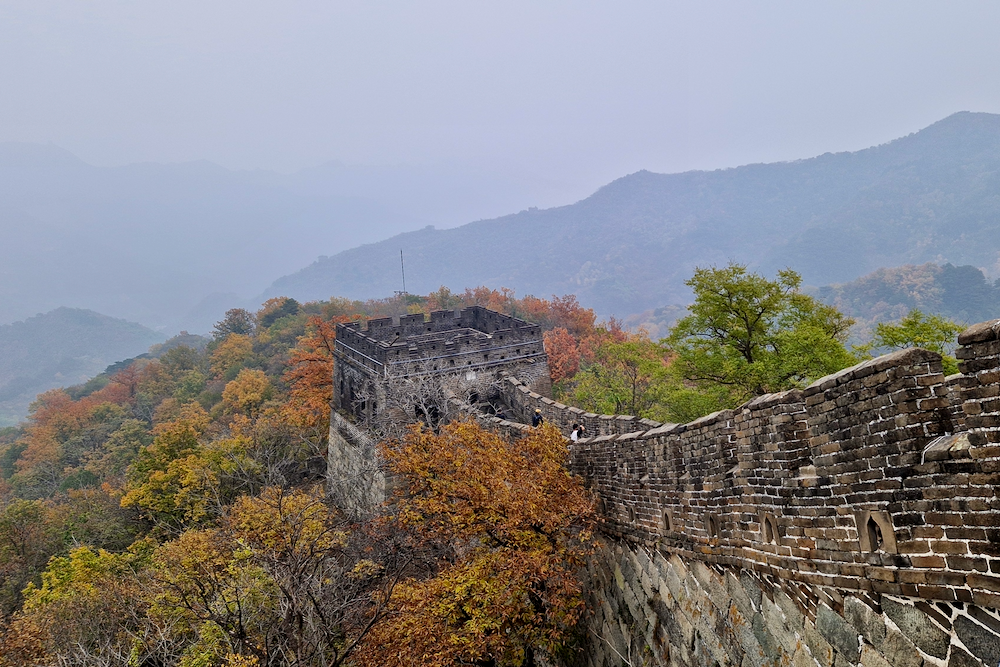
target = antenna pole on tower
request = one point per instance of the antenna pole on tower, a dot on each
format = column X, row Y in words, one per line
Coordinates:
column 402, row 269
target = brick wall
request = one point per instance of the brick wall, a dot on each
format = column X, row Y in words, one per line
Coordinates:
column 864, row 507
column 652, row 608
column 855, row 483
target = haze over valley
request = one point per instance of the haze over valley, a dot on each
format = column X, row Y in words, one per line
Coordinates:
column 173, row 246
column 159, row 178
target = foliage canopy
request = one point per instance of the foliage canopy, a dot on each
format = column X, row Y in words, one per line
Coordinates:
column 751, row 336
column 510, row 527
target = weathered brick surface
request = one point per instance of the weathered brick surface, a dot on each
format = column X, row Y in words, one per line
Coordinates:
column 649, row 608
column 875, row 486
column 868, row 480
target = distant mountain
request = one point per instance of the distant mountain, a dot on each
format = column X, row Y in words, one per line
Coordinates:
column 961, row 293
column 933, row 196
column 158, row 243
column 61, row 348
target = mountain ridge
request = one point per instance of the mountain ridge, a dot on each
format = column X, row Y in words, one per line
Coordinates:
column 153, row 242
column 632, row 243
column 59, row 348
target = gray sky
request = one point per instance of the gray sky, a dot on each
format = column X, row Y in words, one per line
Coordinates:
column 578, row 91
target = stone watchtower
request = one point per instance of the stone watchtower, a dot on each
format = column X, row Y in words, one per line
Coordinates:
column 390, row 372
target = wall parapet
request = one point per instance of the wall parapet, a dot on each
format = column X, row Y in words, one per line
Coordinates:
column 881, row 478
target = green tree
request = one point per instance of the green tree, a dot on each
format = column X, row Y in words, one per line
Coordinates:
column 931, row 332
column 273, row 310
column 237, row 321
column 747, row 335
column 628, row 377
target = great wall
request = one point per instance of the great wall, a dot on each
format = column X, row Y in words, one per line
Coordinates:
column 853, row 522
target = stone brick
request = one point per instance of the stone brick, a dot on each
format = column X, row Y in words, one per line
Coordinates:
column 900, row 651
column 839, row 633
column 917, row 627
column 982, row 642
column 960, row 658
column 802, row 658
column 752, row 589
column 768, row 642
column 869, row 624
column 778, row 627
column 872, row 658
column 791, row 611
column 819, row 647
column 739, row 595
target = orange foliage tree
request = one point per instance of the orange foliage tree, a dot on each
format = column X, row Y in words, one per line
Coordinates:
column 309, row 374
column 512, row 528
column 563, row 353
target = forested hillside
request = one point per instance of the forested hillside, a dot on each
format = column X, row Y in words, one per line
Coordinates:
column 172, row 511
column 930, row 196
column 961, row 293
column 61, row 348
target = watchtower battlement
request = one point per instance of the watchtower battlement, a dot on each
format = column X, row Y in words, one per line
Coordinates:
column 390, row 372
column 466, row 343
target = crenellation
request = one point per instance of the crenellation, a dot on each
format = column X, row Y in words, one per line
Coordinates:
column 878, row 482
column 463, row 344
column 854, row 521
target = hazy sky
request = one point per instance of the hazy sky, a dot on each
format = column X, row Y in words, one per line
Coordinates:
column 579, row 91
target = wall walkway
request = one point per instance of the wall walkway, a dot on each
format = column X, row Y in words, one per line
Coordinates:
column 861, row 512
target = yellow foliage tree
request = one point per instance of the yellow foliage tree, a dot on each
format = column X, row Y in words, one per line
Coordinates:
column 160, row 470
column 512, row 527
column 273, row 583
column 88, row 609
column 231, row 353
column 248, row 392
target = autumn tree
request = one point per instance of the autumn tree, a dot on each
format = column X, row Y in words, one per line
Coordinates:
column 444, row 299
column 28, row 538
column 280, row 580
column 331, row 591
column 309, row 373
column 628, row 377
column 511, row 528
column 230, row 355
column 563, row 353
column 247, row 392
column 158, row 477
column 90, row 608
column 275, row 309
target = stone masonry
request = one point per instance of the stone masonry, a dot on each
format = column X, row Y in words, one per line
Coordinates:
column 400, row 371
column 853, row 522
column 452, row 346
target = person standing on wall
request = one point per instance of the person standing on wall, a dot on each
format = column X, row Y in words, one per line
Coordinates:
column 537, row 419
